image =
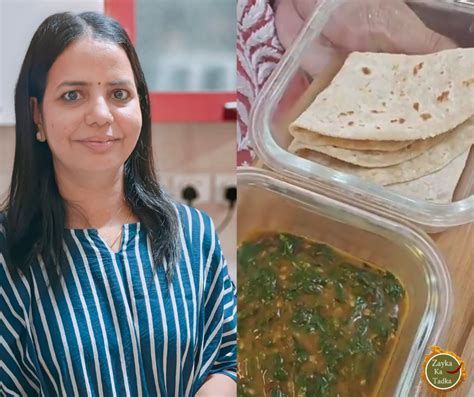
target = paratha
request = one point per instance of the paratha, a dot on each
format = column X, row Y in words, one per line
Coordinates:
column 366, row 158
column 428, row 162
column 437, row 187
column 379, row 96
column 314, row 139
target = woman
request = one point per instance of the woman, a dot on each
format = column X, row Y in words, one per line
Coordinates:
column 108, row 287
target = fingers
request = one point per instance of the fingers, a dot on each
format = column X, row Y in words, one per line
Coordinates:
column 407, row 33
column 305, row 7
column 287, row 22
column 379, row 26
column 438, row 42
column 319, row 55
column 427, row 42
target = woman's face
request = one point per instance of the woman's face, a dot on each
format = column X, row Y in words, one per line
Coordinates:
column 90, row 114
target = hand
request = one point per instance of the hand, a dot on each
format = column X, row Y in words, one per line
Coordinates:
column 358, row 25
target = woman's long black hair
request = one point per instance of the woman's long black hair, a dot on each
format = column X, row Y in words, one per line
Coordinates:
column 35, row 211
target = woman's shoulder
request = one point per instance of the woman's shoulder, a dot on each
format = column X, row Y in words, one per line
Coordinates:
column 200, row 238
column 196, row 224
column 192, row 218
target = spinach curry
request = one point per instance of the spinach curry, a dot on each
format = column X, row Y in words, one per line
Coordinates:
column 312, row 320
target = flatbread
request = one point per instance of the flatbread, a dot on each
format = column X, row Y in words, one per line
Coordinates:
column 371, row 159
column 437, row 187
column 378, row 96
column 314, row 139
column 440, row 155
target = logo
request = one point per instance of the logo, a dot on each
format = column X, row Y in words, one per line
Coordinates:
column 443, row 370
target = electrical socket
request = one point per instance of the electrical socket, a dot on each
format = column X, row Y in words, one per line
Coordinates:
column 221, row 183
column 201, row 182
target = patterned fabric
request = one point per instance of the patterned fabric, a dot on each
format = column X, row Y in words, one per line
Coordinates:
column 258, row 52
column 111, row 327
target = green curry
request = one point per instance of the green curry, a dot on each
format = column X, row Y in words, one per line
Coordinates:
column 312, row 320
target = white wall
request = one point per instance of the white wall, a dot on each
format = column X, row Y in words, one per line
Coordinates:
column 19, row 19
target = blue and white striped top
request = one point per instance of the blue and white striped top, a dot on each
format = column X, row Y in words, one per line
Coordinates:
column 110, row 328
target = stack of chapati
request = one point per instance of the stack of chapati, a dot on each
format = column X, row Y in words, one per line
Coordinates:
column 404, row 121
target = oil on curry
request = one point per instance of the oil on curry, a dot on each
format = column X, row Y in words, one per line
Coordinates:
column 313, row 321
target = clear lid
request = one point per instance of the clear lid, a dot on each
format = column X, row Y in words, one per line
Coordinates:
column 276, row 107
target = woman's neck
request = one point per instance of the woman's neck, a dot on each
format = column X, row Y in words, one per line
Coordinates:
column 93, row 201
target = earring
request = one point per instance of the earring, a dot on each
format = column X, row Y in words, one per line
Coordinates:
column 39, row 137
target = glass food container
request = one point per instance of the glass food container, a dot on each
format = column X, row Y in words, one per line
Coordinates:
column 269, row 202
column 275, row 109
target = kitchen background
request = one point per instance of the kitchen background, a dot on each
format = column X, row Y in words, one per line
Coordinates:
column 187, row 50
